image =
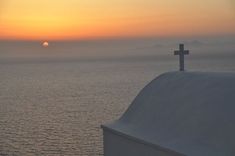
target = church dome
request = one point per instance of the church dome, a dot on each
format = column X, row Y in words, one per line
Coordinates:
column 192, row 113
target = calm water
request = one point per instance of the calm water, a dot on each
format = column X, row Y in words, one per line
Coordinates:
column 55, row 106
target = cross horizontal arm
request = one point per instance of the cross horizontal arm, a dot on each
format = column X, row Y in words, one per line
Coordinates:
column 176, row 52
column 185, row 52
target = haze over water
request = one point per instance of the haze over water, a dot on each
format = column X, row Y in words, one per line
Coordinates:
column 53, row 100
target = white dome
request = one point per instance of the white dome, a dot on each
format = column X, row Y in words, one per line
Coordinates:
column 192, row 113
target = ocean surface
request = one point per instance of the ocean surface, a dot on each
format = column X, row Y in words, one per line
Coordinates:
column 53, row 100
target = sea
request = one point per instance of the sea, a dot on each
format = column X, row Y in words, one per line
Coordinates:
column 53, row 100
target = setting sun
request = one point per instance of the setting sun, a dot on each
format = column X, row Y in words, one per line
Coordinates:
column 45, row 44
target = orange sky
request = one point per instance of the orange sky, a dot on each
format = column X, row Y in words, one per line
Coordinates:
column 79, row 19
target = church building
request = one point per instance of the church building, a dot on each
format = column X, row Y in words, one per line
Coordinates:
column 177, row 114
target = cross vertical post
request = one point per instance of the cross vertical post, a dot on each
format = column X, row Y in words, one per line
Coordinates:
column 181, row 52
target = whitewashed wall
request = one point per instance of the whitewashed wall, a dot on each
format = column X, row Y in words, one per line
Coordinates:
column 117, row 145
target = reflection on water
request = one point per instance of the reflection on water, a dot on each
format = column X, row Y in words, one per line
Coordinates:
column 57, row 108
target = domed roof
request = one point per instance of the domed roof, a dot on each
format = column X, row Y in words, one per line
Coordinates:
column 192, row 113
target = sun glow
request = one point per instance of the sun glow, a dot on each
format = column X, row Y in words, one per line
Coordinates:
column 72, row 19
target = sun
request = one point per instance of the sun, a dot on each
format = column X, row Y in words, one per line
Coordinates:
column 45, row 44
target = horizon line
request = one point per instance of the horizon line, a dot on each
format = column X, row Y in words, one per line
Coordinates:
column 119, row 38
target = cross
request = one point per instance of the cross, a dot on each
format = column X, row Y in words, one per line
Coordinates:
column 181, row 52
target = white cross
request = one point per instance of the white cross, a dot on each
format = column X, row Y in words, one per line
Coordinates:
column 181, row 52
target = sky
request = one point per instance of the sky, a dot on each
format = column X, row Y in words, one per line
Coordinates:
column 82, row 19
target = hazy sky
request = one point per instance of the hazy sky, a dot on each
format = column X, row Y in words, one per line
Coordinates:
column 70, row 19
